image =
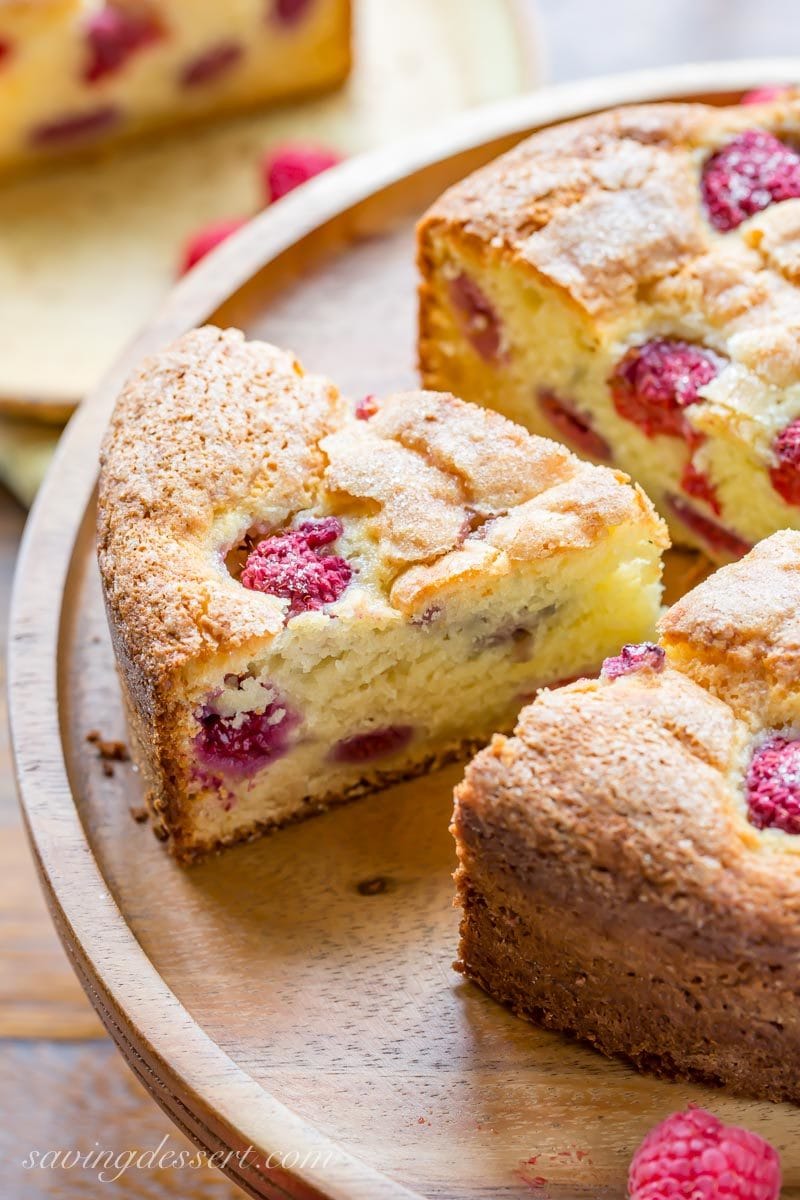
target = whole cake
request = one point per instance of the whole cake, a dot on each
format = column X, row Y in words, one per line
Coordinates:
column 628, row 283
column 75, row 73
column 629, row 861
column 310, row 599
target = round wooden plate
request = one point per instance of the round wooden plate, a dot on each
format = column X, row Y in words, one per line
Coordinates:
column 291, row 1004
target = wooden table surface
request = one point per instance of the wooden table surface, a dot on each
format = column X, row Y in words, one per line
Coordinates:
column 63, row 1087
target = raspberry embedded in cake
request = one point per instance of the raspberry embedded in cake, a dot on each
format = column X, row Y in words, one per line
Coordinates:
column 647, row 656
column 296, row 566
column 693, row 1155
column 767, row 95
column 242, row 742
column 114, row 34
column 373, row 744
column 773, row 785
column 212, row 65
column 656, row 382
column 714, row 538
column 288, row 12
column 750, row 173
column 347, row 651
column 785, row 471
column 478, row 315
column 573, row 426
column 75, row 128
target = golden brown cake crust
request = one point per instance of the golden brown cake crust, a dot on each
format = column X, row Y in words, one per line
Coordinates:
column 608, row 209
column 217, row 434
column 621, row 804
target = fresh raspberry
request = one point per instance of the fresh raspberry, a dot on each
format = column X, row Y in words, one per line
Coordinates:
column 479, row 318
column 75, row 127
column 212, row 65
column 717, row 538
column 291, row 565
column 244, row 744
column 207, row 239
column 113, row 35
column 654, row 383
column 773, row 785
column 286, row 167
column 696, row 482
column 744, row 177
column 765, row 95
column 646, row 656
column 378, row 743
column 366, row 408
column 289, row 12
column 573, row 426
column 785, row 473
column 693, row 1156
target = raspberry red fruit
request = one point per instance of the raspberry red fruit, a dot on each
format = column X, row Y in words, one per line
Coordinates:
column 76, row 128
column 785, row 472
column 293, row 566
column 716, row 537
column 366, row 407
column 285, row 168
column 211, row 65
column 113, row 35
column 378, row 743
column 246, row 743
column 573, row 426
column 693, row 1156
column 696, row 482
column 773, row 785
column 765, row 95
column 207, row 239
column 744, row 177
column 646, row 656
column 289, row 12
column 654, row 383
column 479, row 318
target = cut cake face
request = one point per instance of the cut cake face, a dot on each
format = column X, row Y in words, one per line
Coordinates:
column 628, row 284
column 629, row 861
column 311, row 599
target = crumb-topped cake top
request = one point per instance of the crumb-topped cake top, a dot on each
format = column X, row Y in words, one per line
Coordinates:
column 227, row 470
column 661, row 206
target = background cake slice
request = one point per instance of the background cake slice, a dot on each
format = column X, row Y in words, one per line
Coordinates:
column 628, row 283
column 629, row 862
column 78, row 73
column 309, row 600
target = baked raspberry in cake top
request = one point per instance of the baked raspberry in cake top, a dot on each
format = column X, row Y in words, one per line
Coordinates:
column 78, row 73
column 628, row 283
column 311, row 597
column 630, row 859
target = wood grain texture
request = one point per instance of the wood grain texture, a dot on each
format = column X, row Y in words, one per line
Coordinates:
column 264, row 999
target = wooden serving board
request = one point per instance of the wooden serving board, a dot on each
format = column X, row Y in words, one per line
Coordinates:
column 296, row 996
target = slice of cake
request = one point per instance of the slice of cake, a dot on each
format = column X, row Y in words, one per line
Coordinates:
column 75, row 73
column 628, row 283
column 310, row 600
column 629, row 861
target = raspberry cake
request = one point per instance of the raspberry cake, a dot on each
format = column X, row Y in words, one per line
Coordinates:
column 628, row 283
column 310, row 600
column 629, row 861
column 75, row 73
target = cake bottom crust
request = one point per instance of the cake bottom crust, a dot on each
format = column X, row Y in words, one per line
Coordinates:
column 377, row 781
column 552, row 968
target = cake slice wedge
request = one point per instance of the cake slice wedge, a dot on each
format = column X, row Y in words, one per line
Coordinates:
column 628, row 284
column 311, row 599
column 629, row 861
